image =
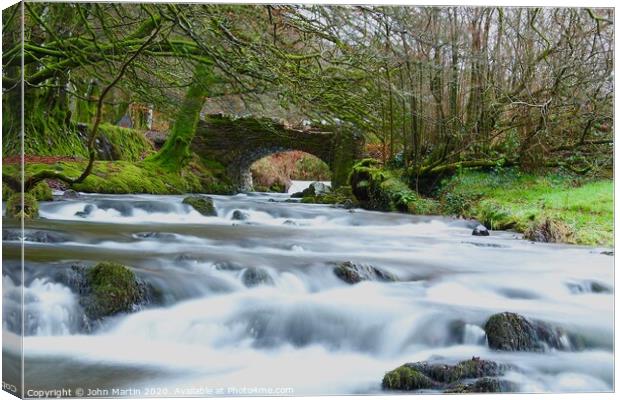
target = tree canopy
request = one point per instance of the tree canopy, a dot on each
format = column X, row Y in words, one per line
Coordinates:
column 433, row 89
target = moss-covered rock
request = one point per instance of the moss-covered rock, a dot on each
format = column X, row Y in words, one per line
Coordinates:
column 406, row 378
column 122, row 143
column 113, row 289
column 355, row 273
column 483, row 385
column 549, row 230
column 29, row 209
column 512, row 332
column 202, row 204
column 41, row 192
column 450, row 378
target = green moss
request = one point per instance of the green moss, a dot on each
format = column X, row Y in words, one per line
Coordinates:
column 122, row 177
column 406, row 378
column 176, row 151
column 15, row 209
column 42, row 192
column 202, row 204
column 377, row 188
column 127, row 144
column 114, row 289
column 6, row 192
column 512, row 200
column 342, row 196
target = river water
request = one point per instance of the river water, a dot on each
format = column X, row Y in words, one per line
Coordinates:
column 305, row 331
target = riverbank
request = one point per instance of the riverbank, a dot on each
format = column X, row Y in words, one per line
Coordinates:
column 554, row 207
column 546, row 208
column 126, row 177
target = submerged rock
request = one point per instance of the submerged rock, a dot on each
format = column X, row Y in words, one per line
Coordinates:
column 70, row 194
column 588, row 287
column 155, row 235
column 480, row 230
column 297, row 195
column 45, row 237
column 239, row 215
column 512, row 332
column 202, row 204
column 449, row 378
column 355, row 273
column 253, row 276
column 88, row 208
column 483, row 385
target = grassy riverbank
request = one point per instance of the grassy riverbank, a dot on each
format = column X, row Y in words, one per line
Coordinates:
column 550, row 207
column 125, row 177
column 514, row 200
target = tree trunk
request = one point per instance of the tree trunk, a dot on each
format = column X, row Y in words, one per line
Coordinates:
column 176, row 151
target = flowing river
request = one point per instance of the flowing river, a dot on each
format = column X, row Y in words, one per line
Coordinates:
column 302, row 330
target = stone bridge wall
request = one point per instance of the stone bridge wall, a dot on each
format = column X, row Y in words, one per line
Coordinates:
column 238, row 143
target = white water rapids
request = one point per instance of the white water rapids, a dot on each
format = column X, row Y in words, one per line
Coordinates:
column 305, row 330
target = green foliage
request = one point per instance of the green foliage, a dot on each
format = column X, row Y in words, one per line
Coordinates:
column 510, row 199
column 113, row 287
column 341, row 196
column 381, row 189
column 28, row 210
column 42, row 192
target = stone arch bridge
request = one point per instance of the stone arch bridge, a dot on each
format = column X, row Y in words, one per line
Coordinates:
column 238, row 142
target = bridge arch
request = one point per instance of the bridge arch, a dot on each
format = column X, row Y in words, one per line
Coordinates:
column 238, row 142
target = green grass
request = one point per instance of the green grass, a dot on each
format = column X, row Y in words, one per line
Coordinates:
column 513, row 200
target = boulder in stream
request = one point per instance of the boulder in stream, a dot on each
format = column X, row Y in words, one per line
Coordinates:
column 108, row 288
column 355, row 273
column 70, row 194
column 449, row 378
column 253, row 276
column 88, row 208
column 202, row 204
column 480, row 230
column 239, row 215
column 512, row 332
column 316, row 189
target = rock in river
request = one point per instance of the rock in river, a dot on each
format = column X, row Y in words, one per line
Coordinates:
column 108, row 288
column 239, row 215
column 480, row 230
column 512, row 332
column 355, row 273
column 449, row 378
column 202, row 204
column 256, row 276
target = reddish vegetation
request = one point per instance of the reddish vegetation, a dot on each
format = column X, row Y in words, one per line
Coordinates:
column 375, row 150
column 39, row 159
column 280, row 168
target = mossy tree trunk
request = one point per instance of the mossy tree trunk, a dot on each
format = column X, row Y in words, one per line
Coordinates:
column 176, row 151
